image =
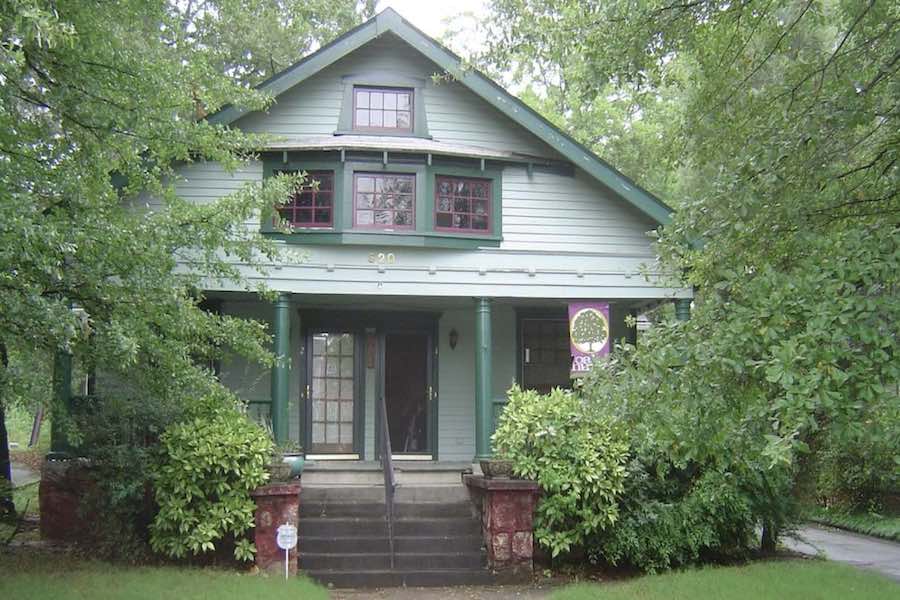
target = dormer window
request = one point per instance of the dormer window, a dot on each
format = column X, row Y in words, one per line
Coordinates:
column 383, row 109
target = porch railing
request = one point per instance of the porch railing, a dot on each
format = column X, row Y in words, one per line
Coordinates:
column 387, row 465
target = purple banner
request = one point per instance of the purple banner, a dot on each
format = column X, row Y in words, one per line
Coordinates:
column 588, row 334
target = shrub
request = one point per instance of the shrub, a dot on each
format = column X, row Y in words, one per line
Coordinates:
column 577, row 457
column 208, row 468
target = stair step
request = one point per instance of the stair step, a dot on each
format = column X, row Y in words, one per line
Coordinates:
column 379, row 544
column 375, row 493
column 428, row 527
column 337, row 509
column 402, row 561
column 408, row 578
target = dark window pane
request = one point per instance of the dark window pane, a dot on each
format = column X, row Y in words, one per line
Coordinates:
column 479, row 223
column 402, row 218
column 304, row 198
column 443, row 219
column 323, row 215
column 479, row 207
column 444, row 203
column 461, row 221
column 323, row 199
column 461, row 205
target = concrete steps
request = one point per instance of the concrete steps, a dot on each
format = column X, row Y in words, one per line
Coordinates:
column 344, row 538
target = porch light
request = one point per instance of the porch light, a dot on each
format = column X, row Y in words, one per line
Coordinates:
column 454, row 338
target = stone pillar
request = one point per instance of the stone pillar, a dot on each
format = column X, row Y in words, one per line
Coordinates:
column 484, row 408
column 507, row 520
column 683, row 309
column 64, row 483
column 276, row 504
column 281, row 369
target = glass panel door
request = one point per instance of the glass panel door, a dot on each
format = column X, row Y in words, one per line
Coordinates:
column 545, row 354
column 333, row 392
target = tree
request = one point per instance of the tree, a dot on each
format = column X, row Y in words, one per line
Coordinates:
column 97, row 109
column 252, row 40
column 785, row 122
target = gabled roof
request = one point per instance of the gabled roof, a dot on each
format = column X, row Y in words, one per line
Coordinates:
column 389, row 21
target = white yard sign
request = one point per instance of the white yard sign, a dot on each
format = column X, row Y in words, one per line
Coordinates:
column 286, row 539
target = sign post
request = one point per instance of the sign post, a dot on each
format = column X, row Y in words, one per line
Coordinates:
column 286, row 539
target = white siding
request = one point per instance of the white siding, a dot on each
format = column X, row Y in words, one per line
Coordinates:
column 456, row 376
column 572, row 214
column 454, row 113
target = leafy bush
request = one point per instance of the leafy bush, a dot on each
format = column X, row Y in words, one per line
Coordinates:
column 209, row 466
column 577, row 457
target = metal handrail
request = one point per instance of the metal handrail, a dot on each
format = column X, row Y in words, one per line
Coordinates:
column 390, row 485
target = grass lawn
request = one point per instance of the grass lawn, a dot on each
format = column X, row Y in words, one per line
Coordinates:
column 794, row 579
column 881, row 525
column 53, row 577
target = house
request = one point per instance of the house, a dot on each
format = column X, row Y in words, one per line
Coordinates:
column 448, row 232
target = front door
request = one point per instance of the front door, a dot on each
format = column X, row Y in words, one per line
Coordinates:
column 408, row 392
column 333, row 392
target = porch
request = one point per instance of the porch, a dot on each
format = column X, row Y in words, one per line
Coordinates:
column 442, row 364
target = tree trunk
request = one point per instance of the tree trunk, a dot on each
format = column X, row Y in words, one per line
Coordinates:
column 769, row 538
column 7, row 507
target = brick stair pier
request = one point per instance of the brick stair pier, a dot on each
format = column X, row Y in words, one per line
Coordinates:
column 437, row 530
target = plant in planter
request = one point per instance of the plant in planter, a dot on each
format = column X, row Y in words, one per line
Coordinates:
column 286, row 463
column 498, row 467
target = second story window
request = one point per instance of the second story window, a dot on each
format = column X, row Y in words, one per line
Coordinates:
column 462, row 204
column 383, row 109
column 312, row 204
column 384, row 201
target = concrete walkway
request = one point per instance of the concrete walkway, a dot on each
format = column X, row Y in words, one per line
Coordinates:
column 859, row 550
column 22, row 475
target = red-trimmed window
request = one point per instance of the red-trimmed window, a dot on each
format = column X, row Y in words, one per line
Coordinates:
column 462, row 204
column 383, row 109
column 384, row 201
column 312, row 204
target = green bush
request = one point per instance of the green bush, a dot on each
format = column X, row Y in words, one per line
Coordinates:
column 209, row 466
column 577, row 457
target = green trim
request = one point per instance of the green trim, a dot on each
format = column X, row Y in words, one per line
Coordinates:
column 384, row 79
column 281, row 347
column 294, row 163
column 484, row 406
column 424, row 236
column 389, row 21
column 413, row 239
column 62, row 405
column 496, row 177
column 683, row 309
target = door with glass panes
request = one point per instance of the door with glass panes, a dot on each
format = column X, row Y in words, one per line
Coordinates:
column 333, row 392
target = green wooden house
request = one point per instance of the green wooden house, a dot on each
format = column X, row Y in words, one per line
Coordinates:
column 449, row 229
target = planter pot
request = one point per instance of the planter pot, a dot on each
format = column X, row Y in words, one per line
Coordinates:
column 297, row 462
column 497, row 468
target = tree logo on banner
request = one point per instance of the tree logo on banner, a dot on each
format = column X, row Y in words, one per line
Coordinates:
column 589, row 330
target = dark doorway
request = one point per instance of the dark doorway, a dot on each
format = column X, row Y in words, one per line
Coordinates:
column 406, row 389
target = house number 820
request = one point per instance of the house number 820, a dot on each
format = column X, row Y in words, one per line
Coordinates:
column 382, row 258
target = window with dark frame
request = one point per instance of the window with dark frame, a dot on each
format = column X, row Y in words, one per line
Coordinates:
column 382, row 109
column 384, row 201
column 312, row 204
column 462, row 204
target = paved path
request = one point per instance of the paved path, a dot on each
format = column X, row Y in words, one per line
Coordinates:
column 22, row 475
column 536, row 591
column 842, row 546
